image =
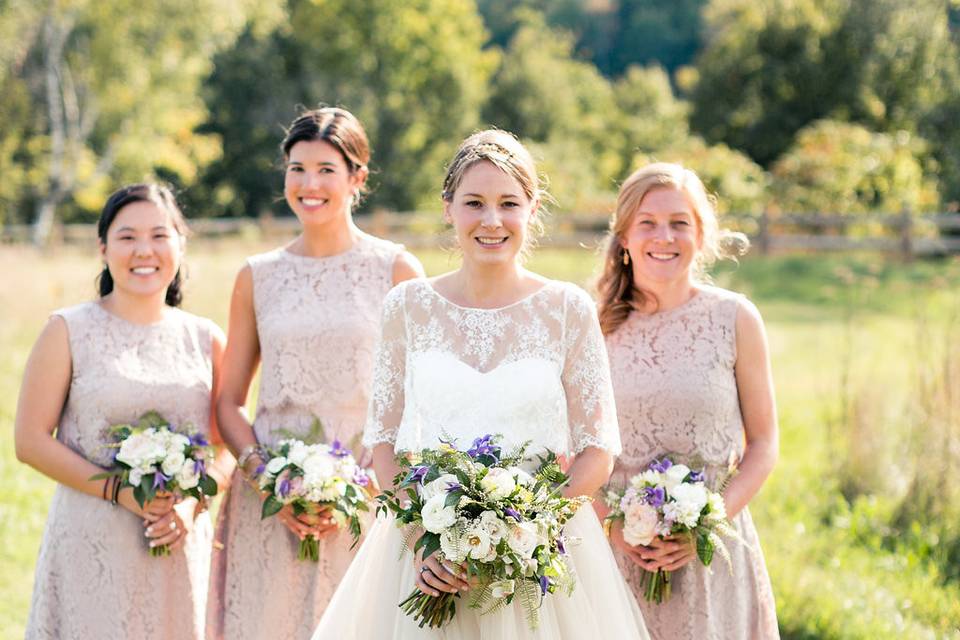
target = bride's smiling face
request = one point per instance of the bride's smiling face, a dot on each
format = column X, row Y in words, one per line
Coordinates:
column 490, row 214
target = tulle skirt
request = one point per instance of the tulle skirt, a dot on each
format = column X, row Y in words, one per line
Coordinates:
column 365, row 605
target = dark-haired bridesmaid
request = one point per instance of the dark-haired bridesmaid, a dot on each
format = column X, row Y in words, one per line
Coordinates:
column 106, row 362
column 308, row 315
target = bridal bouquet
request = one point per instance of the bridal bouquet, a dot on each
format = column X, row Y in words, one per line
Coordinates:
column 480, row 510
column 314, row 478
column 154, row 457
column 670, row 499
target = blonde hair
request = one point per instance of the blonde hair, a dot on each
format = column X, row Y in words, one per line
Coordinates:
column 504, row 151
column 618, row 294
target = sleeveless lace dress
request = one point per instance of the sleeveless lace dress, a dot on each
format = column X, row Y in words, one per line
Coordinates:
column 676, row 393
column 318, row 323
column 94, row 576
column 534, row 370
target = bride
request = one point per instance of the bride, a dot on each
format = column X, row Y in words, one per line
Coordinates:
column 489, row 348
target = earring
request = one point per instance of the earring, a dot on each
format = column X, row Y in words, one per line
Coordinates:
column 626, row 257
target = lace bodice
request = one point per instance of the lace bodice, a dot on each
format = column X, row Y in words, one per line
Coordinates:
column 674, row 382
column 318, row 322
column 534, row 370
column 121, row 370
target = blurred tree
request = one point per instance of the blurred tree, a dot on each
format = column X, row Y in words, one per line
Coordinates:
column 649, row 31
column 564, row 105
column 837, row 167
column 116, row 83
column 412, row 71
column 765, row 72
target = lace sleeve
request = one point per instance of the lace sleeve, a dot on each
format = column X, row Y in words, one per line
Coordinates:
column 387, row 389
column 586, row 378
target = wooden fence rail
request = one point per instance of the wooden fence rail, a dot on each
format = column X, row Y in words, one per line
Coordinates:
column 905, row 234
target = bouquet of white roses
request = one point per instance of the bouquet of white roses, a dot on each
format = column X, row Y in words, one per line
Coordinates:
column 480, row 509
column 312, row 478
column 154, row 457
column 670, row 499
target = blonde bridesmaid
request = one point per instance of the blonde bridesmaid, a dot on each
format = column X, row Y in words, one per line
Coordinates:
column 106, row 362
column 691, row 376
column 308, row 315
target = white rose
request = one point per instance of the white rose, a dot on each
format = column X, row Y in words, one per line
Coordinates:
column 298, row 452
column 691, row 497
column 172, row 463
column 276, row 465
column 317, row 465
column 674, row 476
column 639, row 524
column 187, row 477
column 135, row 476
column 502, row 588
column 493, row 525
column 498, row 483
column 438, row 487
column 478, row 544
column 177, row 442
column 436, row 516
column 523, row 538
column 140, row 450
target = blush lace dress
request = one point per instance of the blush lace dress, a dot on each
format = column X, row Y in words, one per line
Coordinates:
column 95, row 577
column 318, row 323
column 676, row 393
column 534, row 370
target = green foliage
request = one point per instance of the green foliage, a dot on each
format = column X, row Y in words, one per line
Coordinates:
column 648, row 32
column 836, row 167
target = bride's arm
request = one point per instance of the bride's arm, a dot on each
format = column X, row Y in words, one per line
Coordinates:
column 385, row 465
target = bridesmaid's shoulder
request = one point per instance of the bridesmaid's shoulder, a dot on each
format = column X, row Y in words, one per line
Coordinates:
column 735, row 300
column 77, row 311
column 201, row 324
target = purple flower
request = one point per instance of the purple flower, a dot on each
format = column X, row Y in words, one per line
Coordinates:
column 484, row 447
column 283, row 487
column 360, row 477
column 260, row 469
column 513, row 514
column 560, row 546
column 419, row 473
column 453, row 486
column 544, row 584
column 199, row 467
column 695, row 476
column 661, row 466
column 159, row 480
column 337, row 450
column 198, row 440
column 654, row 496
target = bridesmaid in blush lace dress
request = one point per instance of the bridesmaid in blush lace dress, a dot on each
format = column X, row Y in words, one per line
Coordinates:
column 308, row 314
column 108, row 362
column 691, row 375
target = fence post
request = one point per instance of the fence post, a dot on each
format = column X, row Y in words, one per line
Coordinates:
column 906, row 234
column 763, row 232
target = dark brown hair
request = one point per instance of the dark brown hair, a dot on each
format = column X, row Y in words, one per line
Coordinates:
column 141, row 192
column 334, row 126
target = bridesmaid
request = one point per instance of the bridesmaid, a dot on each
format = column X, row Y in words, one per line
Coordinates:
column 107, row 362
column 691, row 375
column 309, row 313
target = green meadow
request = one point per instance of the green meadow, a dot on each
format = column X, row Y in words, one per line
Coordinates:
column 859, row 521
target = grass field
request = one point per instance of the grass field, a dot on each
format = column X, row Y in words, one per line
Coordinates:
column 859, row 520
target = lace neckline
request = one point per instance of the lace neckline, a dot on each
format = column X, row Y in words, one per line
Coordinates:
column 360, row 240
column 428, row 284
column 169, row 312
column 699, row 295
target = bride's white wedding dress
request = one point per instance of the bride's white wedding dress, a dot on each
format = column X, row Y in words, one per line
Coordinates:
column 533, row 371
